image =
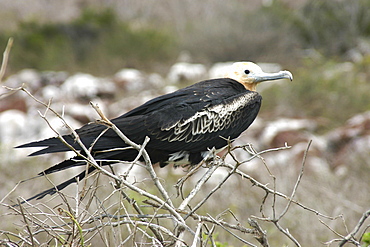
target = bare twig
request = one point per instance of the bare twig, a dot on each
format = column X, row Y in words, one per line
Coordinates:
column 27, row 225
column 259, row 234
column 351, row 235
column 198, row 186
column 287, row 233
column 297, row 183
column 198, row 234
column 271, row 191
column 5, row 58
column 233, row 234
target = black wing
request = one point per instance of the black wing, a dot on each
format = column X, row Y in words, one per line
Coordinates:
column 175, row 121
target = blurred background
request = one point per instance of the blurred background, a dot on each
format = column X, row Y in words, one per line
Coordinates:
column 324, row 43
column 120, row 53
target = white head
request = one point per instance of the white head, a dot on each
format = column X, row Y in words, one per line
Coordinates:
column 250, row 74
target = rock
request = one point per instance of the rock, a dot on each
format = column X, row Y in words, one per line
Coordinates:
column 156, row 81
column 183, row 71
column 53, row 77
column 132, row 80
column 51, row 92
column 349, row 140
column 30, row 77
column 219, row 70
column 276, row 133
column 86, row 87
column 12, row 126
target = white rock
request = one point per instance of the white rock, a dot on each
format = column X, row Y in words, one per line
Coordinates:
column 219, row 70
column 285, row 124
column 51, row 92
column 132, row 79
column 30, row 77
column 13, row 125
column 186, row 72
column 86, row 86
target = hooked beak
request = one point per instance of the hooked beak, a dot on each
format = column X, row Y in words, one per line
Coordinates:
column 273, row 76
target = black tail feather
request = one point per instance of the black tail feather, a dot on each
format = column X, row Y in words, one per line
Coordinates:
column 61, row 186
column 51, row 145
column 73, row 162
column 103, row 158
column 128, row 155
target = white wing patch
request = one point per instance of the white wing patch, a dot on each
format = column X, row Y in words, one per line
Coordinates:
column 182, row 157
column 209, row 120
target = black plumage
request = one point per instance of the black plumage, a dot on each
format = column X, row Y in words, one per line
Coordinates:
column 182, row 127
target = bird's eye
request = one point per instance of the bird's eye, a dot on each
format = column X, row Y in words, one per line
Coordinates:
column 246, row 71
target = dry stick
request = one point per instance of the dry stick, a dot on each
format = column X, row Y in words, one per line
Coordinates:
column 197, row 233
column 259, row 235
column 136, row 207
column 276, row 220
column 253, row 151
column 26, row 222
column 287, row 233
column 139, row 211
column 257, row 154
column 209, row 234
column 156, row 232
column 195, row 216
column 10, row 192
column 333, row 231
column 165, row 205
column 237, row 227
column 212, row 191
column 352, row 234
column 99, row 220
column 297, row 183
column 195, row 191
column 79, row 228
column 197, row 187
column 10, row 243
column 41, row 223
column 233, row 234
column 161, row 228
column 180, row 183
column 268, row 190
column 5, row 58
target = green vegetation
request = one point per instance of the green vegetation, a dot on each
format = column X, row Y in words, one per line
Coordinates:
column 327, row 87
column 366, row 239
column 333, row 27
column 327, row 91
column 96, row 42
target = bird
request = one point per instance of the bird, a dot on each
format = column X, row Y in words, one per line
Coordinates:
column 183, row 126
